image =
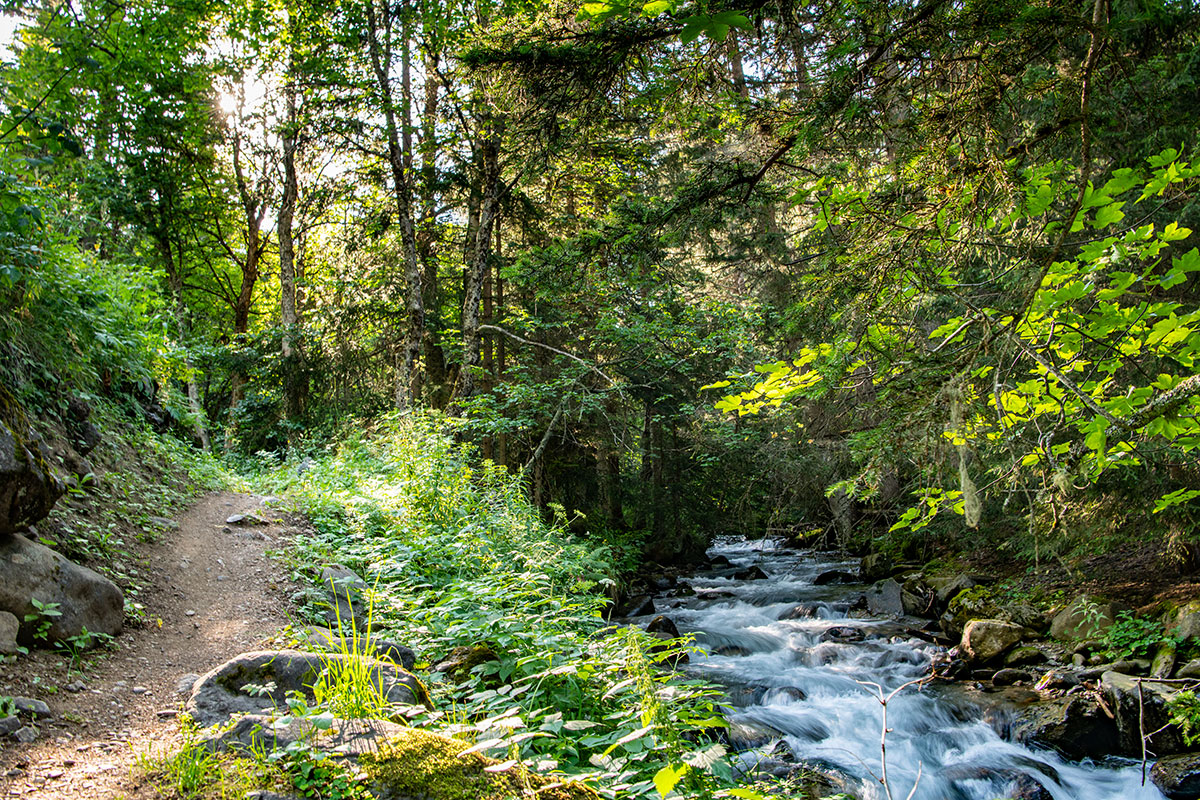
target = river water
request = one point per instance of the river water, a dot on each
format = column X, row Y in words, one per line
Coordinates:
column 958, row 755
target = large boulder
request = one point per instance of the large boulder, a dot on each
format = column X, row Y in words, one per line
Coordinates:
column 1184, row 621
column 83, row 598
column 1076, row 726
column 1142, row 711
column 875, row 567
column 259, row 683
column 985, row 640
column 894, row 599
column 1178, row 777
column 979, row 602
column 29, row 487
column 1083, row 618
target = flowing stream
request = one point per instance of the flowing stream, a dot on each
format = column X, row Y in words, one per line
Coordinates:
column 834, row 719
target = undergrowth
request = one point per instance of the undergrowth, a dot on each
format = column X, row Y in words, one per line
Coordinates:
column 458, row 557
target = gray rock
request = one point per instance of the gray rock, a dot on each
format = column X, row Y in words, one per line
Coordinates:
column 220, row 694
column 800, row 611
column 875, row 567
column 345, row 738
column 745, row 734
column 345, row 591
column 1083, row 618
column 26, row 734
column 10, row 725
column 1164, row 661
column 1075, row 726
column 85, row 599
column 1178, row 777
column 753, row 573
column 186, row 683
column 987, row 639
column 891, row 598
column 379, row 648
column 1024, row 656
column 1189, row 670
column 30, row 707
column 1149, row 714
column 9, row 625
column 164, row 522
column 663, row 624
column 1130, row 666
column 641, row 605
column 1185, row 620
column 948, row 586
column 834, row 577
column 1009, row 676
column 29, row 488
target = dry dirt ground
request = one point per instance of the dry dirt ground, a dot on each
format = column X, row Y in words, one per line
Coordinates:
column 216, row 593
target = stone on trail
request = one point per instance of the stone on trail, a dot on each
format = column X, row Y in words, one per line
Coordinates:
column 245, row 519
column 9, row 625
column 84, row 598
column 10, row 725
column 30, row 707
column 26, row 735
column 272, row 674
column 186, row 683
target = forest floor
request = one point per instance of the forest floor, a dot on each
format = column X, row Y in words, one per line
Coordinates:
column 213, row 592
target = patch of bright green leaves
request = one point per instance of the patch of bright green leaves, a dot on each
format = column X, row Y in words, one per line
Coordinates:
column 458, row 557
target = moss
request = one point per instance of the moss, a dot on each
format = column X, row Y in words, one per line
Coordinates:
column 425, row 766
column 461, row 660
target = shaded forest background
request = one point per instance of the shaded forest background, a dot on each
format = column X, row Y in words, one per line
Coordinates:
column 837, row 270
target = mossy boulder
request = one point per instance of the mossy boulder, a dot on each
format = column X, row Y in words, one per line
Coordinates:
column 1184, row 621
column 1084, row 618
column 419, row 765
column 461, row 660
column 981, row 602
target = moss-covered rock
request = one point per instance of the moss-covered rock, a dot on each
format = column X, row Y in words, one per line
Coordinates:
column 461, row 660
column 419, row 765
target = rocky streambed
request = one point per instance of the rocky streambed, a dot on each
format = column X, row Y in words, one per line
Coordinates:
column 992, row 707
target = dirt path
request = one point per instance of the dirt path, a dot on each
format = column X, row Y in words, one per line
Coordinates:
column 216, row 594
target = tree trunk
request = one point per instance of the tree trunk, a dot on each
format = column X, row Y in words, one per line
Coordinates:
column 292, row 394
column 254, row 211
column 491, row 130
column 182, row 326
column 379, row 29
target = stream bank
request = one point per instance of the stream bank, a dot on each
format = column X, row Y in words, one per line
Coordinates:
column 806, row 650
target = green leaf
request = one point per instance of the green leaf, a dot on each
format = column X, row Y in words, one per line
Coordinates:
column 1175, row 498
column 667, row 778
column 656, row 7
column 1108, row 215
column 1174, row 233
